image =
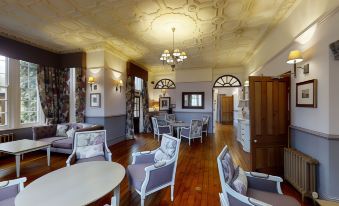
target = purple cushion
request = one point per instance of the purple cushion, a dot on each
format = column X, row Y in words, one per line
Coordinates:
column 164, row 130
column 8, row 192
column 136, row 174
column 52, row 139
column 92, row 159
column 228, row 167
column 185, row 132
column 8, row 202
column 272, row 198
column 63, row 143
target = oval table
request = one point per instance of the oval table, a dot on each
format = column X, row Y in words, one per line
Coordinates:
column 79, row 184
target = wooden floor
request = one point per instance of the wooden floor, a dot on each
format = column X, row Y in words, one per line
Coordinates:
column 197, row 179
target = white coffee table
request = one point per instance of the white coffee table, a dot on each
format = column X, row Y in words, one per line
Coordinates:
column 21, row 147
column 79, row 184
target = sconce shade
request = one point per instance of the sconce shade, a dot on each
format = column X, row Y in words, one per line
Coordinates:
column 91, row 80
column 294, row 57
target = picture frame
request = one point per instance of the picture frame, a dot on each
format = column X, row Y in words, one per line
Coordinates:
column 95, row 87
column 95, row 100
column 193, row 100
column 164, row 103
column 307, row 94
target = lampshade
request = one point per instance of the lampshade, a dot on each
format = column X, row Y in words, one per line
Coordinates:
column 166, row 53
column 91, row 80
column 176, row 52
column 294, row 57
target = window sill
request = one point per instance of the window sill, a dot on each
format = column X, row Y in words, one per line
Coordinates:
column 21, row 127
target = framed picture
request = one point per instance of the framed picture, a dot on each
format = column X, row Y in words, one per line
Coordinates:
column 95, row 100
column 164, row 103
column 95, row 87
column 193, row 100
column 307, row 94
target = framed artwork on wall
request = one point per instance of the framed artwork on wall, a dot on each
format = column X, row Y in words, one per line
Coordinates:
column 164, row 103
column 95, row 100
column 193, row 100
column 306, row 94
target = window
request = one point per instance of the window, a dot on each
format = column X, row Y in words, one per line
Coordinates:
column 193, row 100
column 29, row 105
column 136, row 106
column 138, row 84
column 3, row 91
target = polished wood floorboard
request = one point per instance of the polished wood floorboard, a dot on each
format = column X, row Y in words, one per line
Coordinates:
column 197, row 178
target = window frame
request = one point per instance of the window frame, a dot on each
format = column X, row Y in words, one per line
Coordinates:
column 190, row 94
column 6, row 87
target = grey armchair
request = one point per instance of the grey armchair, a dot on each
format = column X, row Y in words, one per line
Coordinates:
column 205, row 121
column 9, row 189
column 263, row 189
column 154, row 170
column 159, row 130
column 90, row 146
column 192, row 132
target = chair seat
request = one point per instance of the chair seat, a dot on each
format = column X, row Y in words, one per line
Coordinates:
column 63, row 143
column 185, row 132
column 8, row 202
column 52, row 139
column 272, row 198
column 91, row 159
column 165, row 130
column 136, row 174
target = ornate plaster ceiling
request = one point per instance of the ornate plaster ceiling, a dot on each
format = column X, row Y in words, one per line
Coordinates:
column 215, row 33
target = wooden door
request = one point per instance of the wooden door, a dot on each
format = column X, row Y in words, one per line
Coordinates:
column 270, row 119
column 227, row 109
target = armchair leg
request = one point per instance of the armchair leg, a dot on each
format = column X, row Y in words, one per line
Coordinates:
column 201, row 139
column 142, row 203
column 172, row 193
column 189, row 141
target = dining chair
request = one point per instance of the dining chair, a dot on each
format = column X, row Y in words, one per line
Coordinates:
column 9, row 190
column 170, row 117
column 154, row 170
column 205, row 121
column 160, row 130
column 90, row 146
column 192, row 132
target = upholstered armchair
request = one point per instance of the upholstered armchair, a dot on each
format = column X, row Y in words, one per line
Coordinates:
column 192, row 132
column 154, row 170
column 90, row 146
column 170, row 118
column 160, row 130
column 9, row 189
column 205, row 121
column 261, row 189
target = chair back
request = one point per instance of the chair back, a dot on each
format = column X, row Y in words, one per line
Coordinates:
column 196, row 128
column 90, row 144
column 205, row 119
column 230, row 196
column 173, row 145
column 155, row 125
column 170, row 117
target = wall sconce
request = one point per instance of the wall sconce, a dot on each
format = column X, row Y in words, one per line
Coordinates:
column 91, row 81
column 118, row 84
column 163, row 91
column 295, row 57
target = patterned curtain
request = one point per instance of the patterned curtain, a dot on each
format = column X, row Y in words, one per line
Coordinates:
column 80, row 94
column 130, row 107
column 53, row 86
column 145, row 106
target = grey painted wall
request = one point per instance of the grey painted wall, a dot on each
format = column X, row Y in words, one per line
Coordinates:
column 326, row 151
column 22, row 133
column 114, row 125
column 188, row 116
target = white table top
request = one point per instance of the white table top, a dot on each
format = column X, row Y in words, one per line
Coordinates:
column 180, row 124
column 80, row 184
column 20, row 146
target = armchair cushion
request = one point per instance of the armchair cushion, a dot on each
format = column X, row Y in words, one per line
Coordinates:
column 196, row 128
column 185, row 132
column 164, row 129
column 8, row 192
column 8, row 202
column 90, row 151
column 136, row 174
column 61, row 130
column 144, row 158
column 90, row 145
column 262, row 184
column 41, row 132
column 91, row 159
column 228, row 167
column 272, row 198
column 166, row 150
column 66, row 143
column 239, row 182
column 52, row 139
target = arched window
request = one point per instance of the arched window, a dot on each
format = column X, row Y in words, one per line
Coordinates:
column 227, row 81
column 165, row 84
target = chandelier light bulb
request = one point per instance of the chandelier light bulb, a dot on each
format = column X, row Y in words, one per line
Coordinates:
column 176, row 52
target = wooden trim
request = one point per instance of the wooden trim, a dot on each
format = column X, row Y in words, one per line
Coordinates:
column 136, row 71
column 315, row 93
column 316, row 133
column 193, row 107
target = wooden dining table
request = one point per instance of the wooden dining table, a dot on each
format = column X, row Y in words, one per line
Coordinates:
column 79, row 184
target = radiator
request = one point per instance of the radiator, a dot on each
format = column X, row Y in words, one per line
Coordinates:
column 6, row 138
column 300, row 171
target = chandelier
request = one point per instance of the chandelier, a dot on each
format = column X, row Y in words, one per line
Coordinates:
column 174, row 56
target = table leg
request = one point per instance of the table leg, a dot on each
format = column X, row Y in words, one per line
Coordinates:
column 116, row 195
column 49, row 156
column 178, row 132
column 17, row 164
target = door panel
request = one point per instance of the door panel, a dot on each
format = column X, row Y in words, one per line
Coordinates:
column 227, row 109
column 269, row 122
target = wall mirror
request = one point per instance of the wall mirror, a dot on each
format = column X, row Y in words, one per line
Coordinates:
column 193, row 100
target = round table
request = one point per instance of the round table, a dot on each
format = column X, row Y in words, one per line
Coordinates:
column 79, row 184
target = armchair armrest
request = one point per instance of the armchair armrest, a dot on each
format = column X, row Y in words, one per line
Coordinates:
column 10, row 188
column 71, row 159
column 143, row 157
column 264, row 182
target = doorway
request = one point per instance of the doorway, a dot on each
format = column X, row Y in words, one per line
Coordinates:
column 227, row 105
